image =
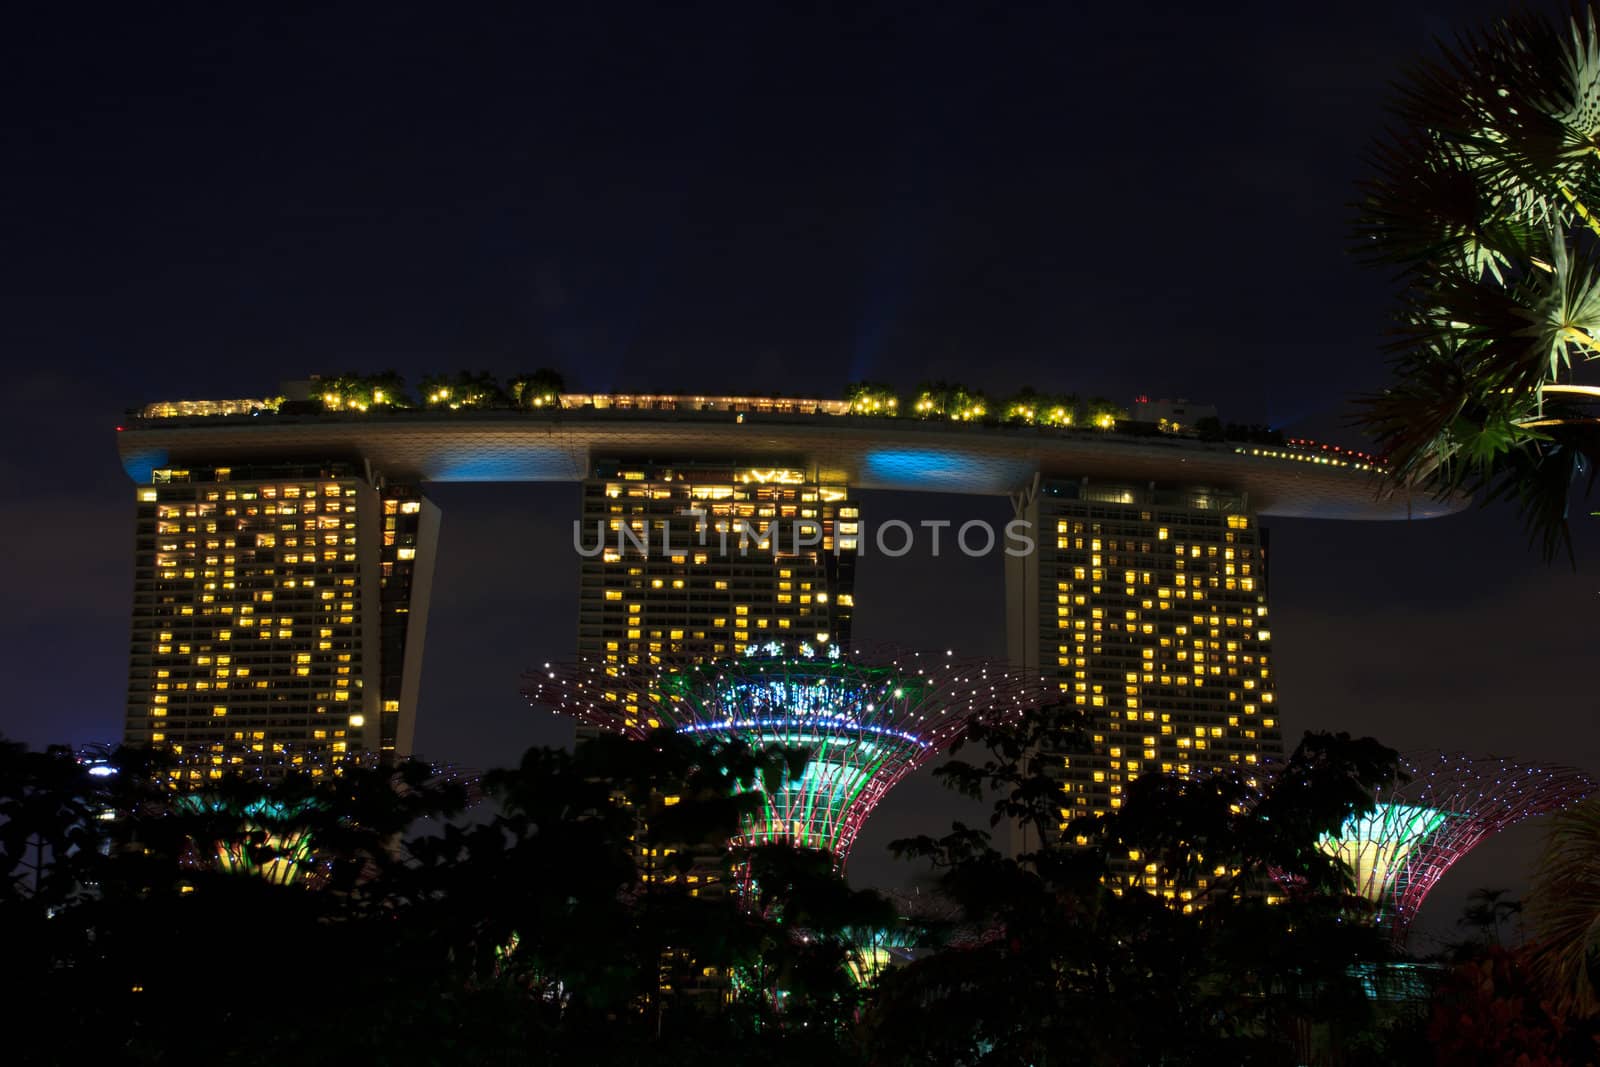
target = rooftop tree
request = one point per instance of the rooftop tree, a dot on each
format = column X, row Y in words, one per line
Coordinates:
column 1101, row 413
column 950, row 401
column 872, row 398
column 463, row 390
column 537, row 389
column 1027, row 406
column 361, row 392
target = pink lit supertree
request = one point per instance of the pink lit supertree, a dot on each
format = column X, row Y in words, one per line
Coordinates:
column 1420, row 828
column 865, row 721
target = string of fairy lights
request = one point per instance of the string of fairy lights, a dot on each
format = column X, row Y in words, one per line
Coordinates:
column 866, row 719
column 1422, row 826
column 869, row 720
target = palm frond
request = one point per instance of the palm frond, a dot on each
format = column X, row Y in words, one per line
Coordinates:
column 1519, row 336
column 1444, row 433
column 1563, row 911
column 1425, row 209
column 1485, row 199
column 1444, row 418
column 1539, row 477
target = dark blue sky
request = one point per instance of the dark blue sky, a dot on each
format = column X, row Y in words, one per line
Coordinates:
column 1116, row 199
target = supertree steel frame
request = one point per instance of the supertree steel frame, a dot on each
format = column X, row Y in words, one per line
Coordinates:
column 867, row 722
column 1420, row 828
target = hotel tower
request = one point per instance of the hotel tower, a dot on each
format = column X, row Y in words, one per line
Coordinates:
column 1149, row 607
column 693, row 560
column 284, row 554
column 278, row 617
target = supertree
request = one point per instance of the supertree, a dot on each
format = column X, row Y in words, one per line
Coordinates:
column 276, row 830
column 265, row 837
column 865, row 721
column 1419, row 828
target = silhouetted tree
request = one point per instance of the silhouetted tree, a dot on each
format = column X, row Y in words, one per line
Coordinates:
column 537, row 389
column 1076, row 963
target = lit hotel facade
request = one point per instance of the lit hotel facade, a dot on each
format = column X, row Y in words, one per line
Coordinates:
column 693, row 561
column 1149, row 607
column 280, row 607
column 278, row 617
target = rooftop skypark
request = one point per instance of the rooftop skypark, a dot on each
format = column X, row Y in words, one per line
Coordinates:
column 353, row 394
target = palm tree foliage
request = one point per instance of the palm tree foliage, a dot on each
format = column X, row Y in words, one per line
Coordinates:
column 1484, row 200
column 1563, row 911
column 1487, row 912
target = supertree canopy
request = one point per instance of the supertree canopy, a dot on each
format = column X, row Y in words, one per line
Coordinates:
column 264, row 837
column 272, row 830
column 866, row 723
column 1421, row 827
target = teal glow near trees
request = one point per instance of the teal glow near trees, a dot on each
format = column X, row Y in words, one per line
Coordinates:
column 864, row 724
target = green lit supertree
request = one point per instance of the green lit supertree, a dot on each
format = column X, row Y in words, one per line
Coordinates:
column 264, row 837
column 1421, row 826
column 865, row 723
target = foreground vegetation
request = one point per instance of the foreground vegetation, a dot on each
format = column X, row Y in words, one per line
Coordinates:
column 366, row 915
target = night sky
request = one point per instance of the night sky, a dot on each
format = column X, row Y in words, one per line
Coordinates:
column 1117, row 200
